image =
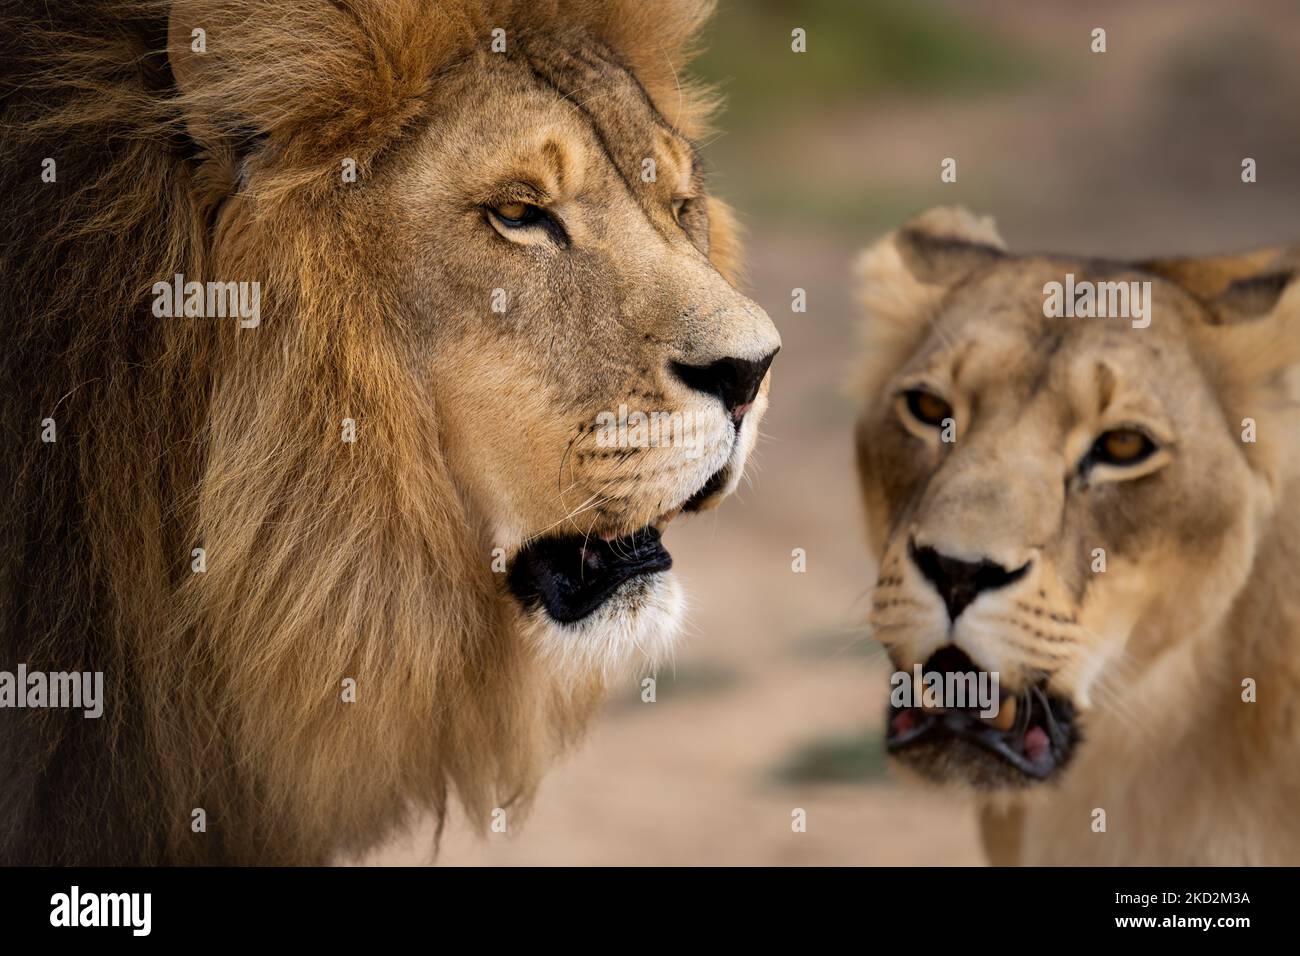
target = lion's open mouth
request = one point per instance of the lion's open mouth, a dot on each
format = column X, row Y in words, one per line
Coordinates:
column 1032, row 736
column 573, row 575
column 717, row 481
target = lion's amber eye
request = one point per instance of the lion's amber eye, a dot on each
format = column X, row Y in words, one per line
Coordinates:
column 526, row 221
column 928, row 407
column 1123, row 446
column 515, row 215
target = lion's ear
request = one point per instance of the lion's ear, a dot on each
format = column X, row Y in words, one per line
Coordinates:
column 320, row 80
column 186, row 49
column 903, row 277
column 656, row 41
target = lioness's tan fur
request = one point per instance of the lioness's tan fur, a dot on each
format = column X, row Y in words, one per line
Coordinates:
column 1198, row 595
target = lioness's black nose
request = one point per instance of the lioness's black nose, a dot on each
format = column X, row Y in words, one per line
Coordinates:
column 960, row 582
column 734, row 380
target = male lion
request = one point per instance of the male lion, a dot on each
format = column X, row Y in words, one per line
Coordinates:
column 1102, row 512
column 362, row 550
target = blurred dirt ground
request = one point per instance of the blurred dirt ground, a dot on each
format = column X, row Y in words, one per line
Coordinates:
column 776, row 697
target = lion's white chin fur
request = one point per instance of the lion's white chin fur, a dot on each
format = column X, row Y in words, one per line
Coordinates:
column 634, row 630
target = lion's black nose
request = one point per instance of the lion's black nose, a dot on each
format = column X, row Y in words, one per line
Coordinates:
column 960, row 582
column 734, row 380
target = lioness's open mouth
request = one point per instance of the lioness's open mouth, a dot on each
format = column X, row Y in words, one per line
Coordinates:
column 1031, row 737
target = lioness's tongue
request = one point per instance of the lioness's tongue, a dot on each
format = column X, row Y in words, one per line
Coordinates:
column 1036, row 743
column 571, row 577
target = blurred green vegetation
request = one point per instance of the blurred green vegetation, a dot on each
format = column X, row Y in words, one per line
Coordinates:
column 843, row 758
column 829, row 204
column 860, row 53
column 855, row 48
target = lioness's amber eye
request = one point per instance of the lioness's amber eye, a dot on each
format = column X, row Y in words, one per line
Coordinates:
column 1123, row 446
column 927, row 407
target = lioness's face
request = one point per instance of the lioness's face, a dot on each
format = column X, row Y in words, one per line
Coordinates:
column 594, row 372
column 1046, row 494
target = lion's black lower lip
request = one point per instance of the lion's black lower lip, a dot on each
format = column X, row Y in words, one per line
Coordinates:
column 572, row 576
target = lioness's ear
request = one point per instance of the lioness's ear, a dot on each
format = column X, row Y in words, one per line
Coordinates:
column 1207, row 277
column 1257, row 334
column 944, row 245
column 1235, row 288
column 1252, row 351
column 1253, row 297
column 1253, row 301
column 907, row 270
column 903, row 277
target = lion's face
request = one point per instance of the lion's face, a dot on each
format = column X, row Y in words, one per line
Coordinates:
column 1060, row 501
column 594, row 373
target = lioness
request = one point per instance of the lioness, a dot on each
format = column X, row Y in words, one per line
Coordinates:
column 380, row 546
column 1103, row 512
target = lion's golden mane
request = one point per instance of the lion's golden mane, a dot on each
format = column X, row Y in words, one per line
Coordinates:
column 223, row 688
